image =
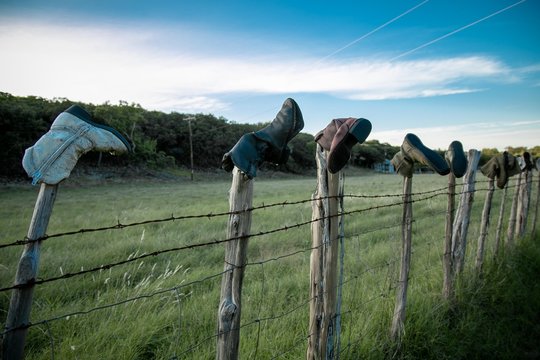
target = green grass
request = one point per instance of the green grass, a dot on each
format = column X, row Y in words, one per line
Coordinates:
column 496, row 315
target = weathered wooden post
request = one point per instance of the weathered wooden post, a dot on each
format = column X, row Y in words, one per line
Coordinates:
column 239, row 226
column 484, row 225
column 461, row 221
column 513, row 211
column 323, row 263
column 341, row 209
column 49, row 161
column 523, row 202
column 500, row 224
column 21, row 298
column 533, row 230
column 251, row 150
column 448, row 269
column 398, row 320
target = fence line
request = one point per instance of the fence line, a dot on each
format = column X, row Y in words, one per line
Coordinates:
column 175, row 288
column 203, row 244
column 258, row 320
column 173, row 218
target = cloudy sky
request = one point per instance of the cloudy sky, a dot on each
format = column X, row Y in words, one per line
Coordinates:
column 444, row 70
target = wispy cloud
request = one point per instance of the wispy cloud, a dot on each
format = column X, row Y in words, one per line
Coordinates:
column 97, row 63
column 472, row 136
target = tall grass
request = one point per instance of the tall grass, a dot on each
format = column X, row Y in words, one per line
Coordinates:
column 495, row 315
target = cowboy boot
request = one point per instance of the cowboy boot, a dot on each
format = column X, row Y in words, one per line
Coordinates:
column 455, row 157
column 403, row 165
column 414, row 149
column 491, row 167
column 501, row 166
column 352, row 131
column 325, row 136
column 268, row 144
column 512, row 164
column 528, row 160
column 72, row 134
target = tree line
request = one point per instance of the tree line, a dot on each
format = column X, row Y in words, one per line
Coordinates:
column 161, row 140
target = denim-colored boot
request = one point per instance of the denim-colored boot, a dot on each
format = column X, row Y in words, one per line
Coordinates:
column 72, row 134
column 268, row 144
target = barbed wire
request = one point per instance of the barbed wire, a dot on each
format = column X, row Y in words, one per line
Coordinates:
column 176, row 288
column 217, row 241
column 258, row 320
column 203, row 244
column 172, row 218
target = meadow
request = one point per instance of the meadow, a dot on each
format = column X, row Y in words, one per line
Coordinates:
column 165, row 306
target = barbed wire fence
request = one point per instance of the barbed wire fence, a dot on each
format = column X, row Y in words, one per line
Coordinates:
column 176, row 295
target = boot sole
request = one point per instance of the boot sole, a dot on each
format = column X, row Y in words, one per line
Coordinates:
column 430, row 157
column 357, row 133
column 458, row 163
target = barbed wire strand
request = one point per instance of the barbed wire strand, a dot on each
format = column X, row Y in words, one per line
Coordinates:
column 175, row 288
column 172, row 218
column 203, row 244
column 258, row 320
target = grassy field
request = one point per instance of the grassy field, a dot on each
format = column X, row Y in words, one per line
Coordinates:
column 496, row 316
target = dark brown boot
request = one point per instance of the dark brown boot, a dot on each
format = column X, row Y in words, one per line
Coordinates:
column 268, row 144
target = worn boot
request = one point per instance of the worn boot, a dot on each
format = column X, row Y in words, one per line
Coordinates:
column 325, row 136
column 512, row 165
column 352, row 131
column 268, row 144
column 72, row 134
column 403, row 165
column 414, row 149
column 495, row 168
column 528, row 161
column 455, row 157
column 501, row 166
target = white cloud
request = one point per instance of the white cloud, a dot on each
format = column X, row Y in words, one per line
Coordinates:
column 97, row 63
column 472, row 136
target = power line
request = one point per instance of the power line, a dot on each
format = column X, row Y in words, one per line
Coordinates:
column 456, row 31
column 371, row 32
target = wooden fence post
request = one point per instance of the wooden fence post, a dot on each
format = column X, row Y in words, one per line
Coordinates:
column 533, row 230
column 523, row 203
column 323, row 263
column 448, row 282
column 513, row 211
column 500, row 223
column 239, row 225
column 484, row 225
column 21, row 298
column 463, row 214
column 398, row 320
column 341, row 209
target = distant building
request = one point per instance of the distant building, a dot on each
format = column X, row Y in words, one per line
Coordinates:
column 385, row 167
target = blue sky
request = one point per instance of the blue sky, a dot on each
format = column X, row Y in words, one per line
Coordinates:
column 444, row 70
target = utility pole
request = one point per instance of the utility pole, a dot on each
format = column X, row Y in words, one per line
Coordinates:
column 190, row 143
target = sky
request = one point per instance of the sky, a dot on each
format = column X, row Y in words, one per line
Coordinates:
column 466, row 70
